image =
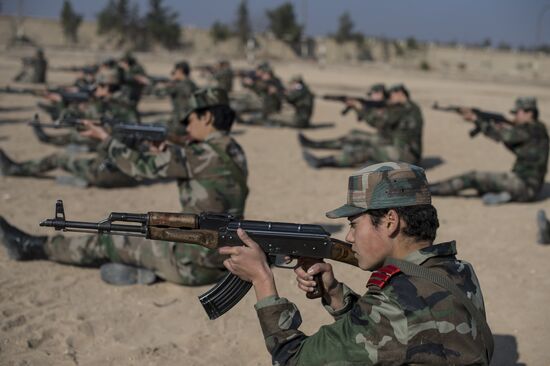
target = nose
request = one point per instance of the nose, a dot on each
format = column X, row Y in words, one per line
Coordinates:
column 350, row 238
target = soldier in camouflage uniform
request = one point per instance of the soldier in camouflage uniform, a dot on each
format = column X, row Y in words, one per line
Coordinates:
column 270, row 90
column 211, row 173
column 180, row 89
column 377, row 92
column 422, row 305
column 300, row 98
column 34, row 69
column 107, row 102
column 399, row 135
column 222, row 75
column 527, row 138
column 133, row 78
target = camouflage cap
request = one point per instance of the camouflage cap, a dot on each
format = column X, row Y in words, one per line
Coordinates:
column 204, row 98
column 296, row 79
column 397, row 87
column 525, row 103
column 384, row 185
column 377, row 88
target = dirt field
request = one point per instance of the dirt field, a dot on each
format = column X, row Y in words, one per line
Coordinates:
column 52, row 314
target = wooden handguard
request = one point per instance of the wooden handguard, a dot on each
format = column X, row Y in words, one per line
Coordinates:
column 341, row 252
column 175, row 220
column 205, row 238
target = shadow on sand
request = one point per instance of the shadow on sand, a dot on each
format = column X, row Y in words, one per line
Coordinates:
column 506, row 351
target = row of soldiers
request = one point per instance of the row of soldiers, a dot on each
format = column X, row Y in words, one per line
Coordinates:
column 389, row 204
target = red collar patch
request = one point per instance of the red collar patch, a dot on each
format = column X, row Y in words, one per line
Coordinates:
column 383, row 275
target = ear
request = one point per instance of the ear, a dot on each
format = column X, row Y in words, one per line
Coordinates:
column 392, row 222
column 209, row 117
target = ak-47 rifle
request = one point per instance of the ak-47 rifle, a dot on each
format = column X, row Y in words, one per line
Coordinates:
column 67, row 97
column 131, row 134
column 482, row 115
column 87, row 69
column 158, row 79
column 307, row 244
column 367, row 103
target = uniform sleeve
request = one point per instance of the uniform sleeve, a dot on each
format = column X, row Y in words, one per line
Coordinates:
column 510, row 136
column 376, row 118
column 374, row 329
column 144, row 165
column 350, row 299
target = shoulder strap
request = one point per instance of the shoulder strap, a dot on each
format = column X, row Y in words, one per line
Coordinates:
column 232, row 166
column 412, row 269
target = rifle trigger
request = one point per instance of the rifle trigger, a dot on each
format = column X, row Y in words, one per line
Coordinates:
column 281, row 261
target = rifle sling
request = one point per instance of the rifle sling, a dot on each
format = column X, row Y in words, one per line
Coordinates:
column 415, row 270
column 232, row 166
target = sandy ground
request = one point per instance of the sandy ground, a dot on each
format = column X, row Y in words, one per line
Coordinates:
column 52, row 314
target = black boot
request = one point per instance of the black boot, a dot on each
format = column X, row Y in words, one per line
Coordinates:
column 20, row 245
column 543, row 235
column 8, row 166
column 123, row 274
column 40, row 134
column 326, row 144
column 316, row 162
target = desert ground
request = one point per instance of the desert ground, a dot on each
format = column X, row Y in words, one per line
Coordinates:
column 53, row 314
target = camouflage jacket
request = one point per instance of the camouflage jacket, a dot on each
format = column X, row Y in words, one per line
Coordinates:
column 271, row 102
column 401, row 126
column 224, row 79
column 179, row 92
column 116, row 107
column 302, row 99
column 130, row 86
column 529, row 142
column 211, row 175
column 408, row 321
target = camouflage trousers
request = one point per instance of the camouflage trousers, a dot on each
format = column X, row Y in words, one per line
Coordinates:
column 486, row 182
column 285, row 118
column 245, row 102
column 92, row 171
column 354, row 137
column 71, row 138
column 184, row 264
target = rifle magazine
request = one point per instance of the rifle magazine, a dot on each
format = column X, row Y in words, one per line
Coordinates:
column 224, row 295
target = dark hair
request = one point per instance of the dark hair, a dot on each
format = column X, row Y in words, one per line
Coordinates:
column 535, row 114
column 421, row 220
column 223, row 116
column 184, row 67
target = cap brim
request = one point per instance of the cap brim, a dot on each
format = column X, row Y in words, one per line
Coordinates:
column 513, row 111
column 345, row 211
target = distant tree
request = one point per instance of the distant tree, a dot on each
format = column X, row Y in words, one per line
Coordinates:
column 345, row 31
column 503, row 46
column 282, row 22
column 162, row 24
column 486, row 43
column 113, row 17
column 70, row 22
column 412, row 44
column 220, row 32
column 121, row 18
column 242, row 25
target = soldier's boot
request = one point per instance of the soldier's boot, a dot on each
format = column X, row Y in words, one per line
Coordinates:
column 41, row 135
column 52, row 110
column 543, row 234
column 9, row 167
column 20, row 245
column 122, row 274
column 491, row 199
column 322, row 144
column 316, row 162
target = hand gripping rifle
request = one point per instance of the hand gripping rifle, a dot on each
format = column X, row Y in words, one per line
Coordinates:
column 366, row 103
column 306, row 243
column 482, row 115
